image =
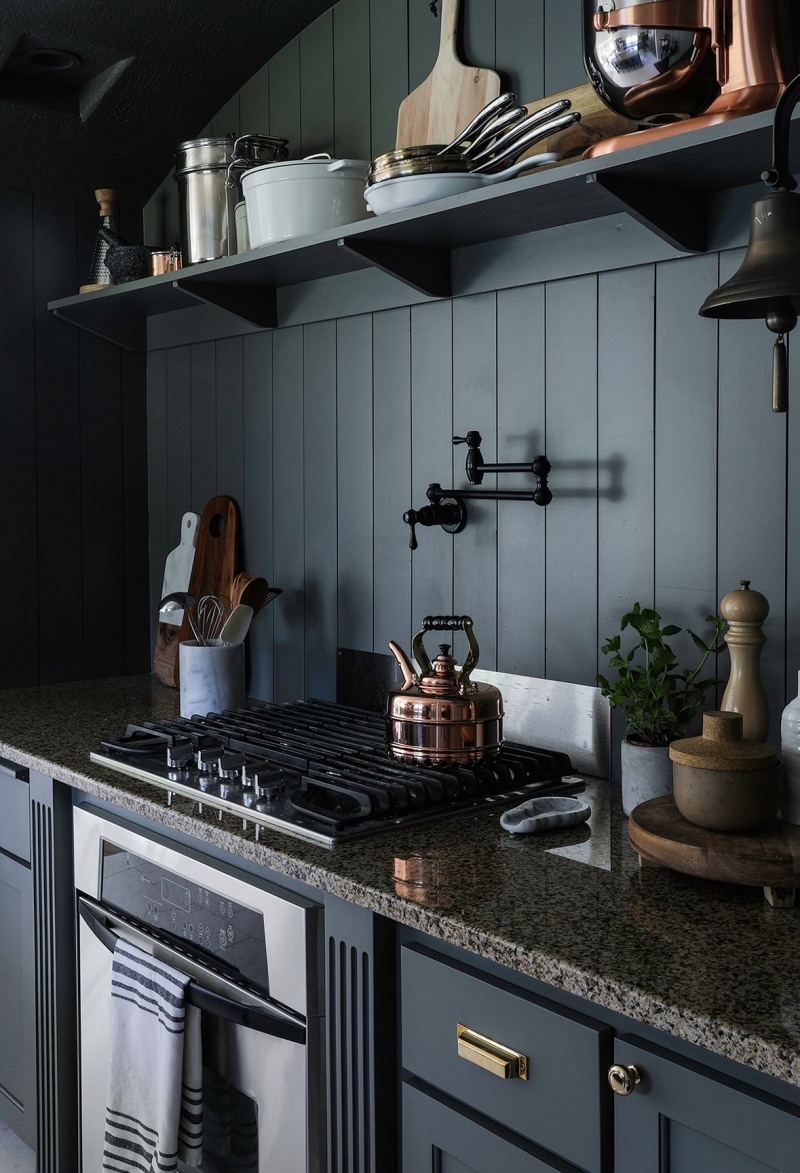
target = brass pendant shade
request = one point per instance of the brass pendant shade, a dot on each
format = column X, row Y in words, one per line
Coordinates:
column 767, row 284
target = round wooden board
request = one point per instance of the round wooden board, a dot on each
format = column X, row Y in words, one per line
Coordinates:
column 769, row 858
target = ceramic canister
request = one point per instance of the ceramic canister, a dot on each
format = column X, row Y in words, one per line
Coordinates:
column 211, row 677
column 722, row 781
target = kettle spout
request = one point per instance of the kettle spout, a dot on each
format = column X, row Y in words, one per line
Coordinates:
column 410, row 677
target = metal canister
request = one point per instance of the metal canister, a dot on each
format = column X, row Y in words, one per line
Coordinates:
column 208, row 172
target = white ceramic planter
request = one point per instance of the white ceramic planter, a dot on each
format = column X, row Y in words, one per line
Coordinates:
column 646, row 773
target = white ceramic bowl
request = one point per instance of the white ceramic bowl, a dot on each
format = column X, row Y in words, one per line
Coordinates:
column 406, row 191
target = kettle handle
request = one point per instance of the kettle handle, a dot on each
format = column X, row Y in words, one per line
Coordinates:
column 447, row 623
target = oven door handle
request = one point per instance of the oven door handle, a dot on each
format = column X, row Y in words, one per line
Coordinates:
column 262, row 1017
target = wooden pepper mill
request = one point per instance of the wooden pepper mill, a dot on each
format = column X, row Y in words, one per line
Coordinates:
column 745, row 611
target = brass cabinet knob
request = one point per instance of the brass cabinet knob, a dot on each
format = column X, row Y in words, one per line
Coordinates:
column 491, row 1056
column 623, row 1080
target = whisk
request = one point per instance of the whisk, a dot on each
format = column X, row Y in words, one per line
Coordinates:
column 207, row 618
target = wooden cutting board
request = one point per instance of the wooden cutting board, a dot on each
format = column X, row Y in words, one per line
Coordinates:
column 451, row 95
column 177, row 573
column 216, row 558
column 769, row 858
column 597, row 122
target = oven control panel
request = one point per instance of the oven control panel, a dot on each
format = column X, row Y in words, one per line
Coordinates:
column 207, row 919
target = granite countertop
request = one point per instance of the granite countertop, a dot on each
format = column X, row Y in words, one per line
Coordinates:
column 709, row 963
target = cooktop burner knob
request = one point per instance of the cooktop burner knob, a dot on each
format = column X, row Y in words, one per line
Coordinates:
column 268, row 785
column 207, row 782
column 230, row 765
column 207, row 759
column 179, row 759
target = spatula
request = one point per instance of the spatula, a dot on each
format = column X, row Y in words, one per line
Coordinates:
column 451, row 95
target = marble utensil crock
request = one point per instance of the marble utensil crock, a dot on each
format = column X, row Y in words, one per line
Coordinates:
column 721, row 780
column 211, row 677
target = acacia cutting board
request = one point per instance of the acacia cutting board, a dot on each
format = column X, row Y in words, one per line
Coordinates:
column 597, row 122
column 216, row 558
column 451, row 95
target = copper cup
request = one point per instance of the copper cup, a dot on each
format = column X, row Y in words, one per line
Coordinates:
column 165, row 260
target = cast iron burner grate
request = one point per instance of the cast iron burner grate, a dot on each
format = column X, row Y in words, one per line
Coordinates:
column 320, row 770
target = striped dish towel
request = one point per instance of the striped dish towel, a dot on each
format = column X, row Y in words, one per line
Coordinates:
column 154, row 1113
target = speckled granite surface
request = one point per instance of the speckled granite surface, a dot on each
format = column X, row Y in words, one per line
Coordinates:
column 709, row 963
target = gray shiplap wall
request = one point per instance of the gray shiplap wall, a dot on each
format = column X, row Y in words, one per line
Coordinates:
column 672, row 479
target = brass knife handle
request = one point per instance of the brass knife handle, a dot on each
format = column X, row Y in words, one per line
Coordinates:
column 491, row 1056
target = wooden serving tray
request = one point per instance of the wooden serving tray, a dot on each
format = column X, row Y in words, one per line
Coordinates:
column 769, row 858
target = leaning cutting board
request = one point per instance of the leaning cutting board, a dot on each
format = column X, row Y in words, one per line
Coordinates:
column 451, row 95
column 597, row 122
column 216, row 557
column 177, row 572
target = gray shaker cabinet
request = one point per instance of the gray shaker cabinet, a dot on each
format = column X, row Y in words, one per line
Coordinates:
column 678, row 1116
column 17, row 1021
column 683, row 1118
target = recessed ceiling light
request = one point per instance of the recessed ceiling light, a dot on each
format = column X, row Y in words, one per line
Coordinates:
column 51, row 60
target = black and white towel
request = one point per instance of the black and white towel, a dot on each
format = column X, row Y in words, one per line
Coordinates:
column 154, row 1113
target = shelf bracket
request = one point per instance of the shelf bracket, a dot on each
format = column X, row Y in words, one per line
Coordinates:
column 677, row 216
column 252, row 303
column 129, row 334
column 424, row 268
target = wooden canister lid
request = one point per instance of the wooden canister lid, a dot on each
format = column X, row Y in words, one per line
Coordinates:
column 722, row 746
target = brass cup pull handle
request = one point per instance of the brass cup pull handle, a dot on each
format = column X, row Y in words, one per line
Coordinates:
column 623, row 1080
column 489, row 1055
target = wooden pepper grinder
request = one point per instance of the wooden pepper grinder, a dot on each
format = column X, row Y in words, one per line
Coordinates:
column 745, row 611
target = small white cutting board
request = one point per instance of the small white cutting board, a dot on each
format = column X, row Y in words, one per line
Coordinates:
column 178, row 566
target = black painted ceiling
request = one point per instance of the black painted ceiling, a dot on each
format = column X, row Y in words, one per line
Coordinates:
column 128, row 81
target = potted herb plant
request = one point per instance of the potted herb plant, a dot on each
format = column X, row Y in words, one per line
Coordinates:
column 658, row 698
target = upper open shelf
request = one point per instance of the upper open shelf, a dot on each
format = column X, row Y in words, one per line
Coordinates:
column 666, row 185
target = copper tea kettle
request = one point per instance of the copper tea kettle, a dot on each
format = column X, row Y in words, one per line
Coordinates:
column 439, row 715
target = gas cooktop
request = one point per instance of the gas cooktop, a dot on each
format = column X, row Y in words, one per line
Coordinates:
column 320, row 770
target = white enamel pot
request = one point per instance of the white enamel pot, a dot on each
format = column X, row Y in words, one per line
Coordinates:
column 408, row 190
column 303, row 196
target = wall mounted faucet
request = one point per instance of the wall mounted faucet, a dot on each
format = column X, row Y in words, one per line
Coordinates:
column 447, row 507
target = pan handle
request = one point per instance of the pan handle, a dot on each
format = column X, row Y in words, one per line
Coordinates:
column 261, row 1016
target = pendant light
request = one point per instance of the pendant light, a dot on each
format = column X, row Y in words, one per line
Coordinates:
column 767, row 284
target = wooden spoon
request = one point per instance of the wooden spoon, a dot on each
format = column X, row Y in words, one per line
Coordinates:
column 255, row 593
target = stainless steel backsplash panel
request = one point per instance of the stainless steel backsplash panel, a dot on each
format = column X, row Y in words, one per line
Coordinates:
column 554, row 714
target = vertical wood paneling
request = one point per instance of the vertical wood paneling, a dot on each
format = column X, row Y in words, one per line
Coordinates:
column 316, row 86
column 476, row 34
column 203, row 424
column 254, row 113
column 288, row 513
column 284, row 97
column 19, row 664
column 57, row 415
column 179, row 430
column 474, row 407
column 355, row 479
column 625, row 445
column 134, row 504
column 520, row 47
column 751, row 531
column 226, row 120
column 319, row 498
column 229, row 422
column 102, row 515
column 431, row 453
column 257, row 497
column 423, row 42
column 563, row 46
column 686, row 443
column 388, row 70
column 392, row 485
column 157, row 478
column 351, row 78
column 792, row 535
column 571, row 309
column 521, row 525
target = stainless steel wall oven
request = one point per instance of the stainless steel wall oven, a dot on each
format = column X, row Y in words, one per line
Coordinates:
column 252, row 952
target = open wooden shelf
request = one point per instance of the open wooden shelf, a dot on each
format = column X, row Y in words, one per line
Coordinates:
column 667, row 186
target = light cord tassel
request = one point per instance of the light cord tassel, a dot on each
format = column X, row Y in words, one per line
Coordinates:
column 780, row 376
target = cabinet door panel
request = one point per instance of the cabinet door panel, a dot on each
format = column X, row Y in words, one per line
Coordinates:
column 17, row 1029
column 440, row 1136
column 682, row 1118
